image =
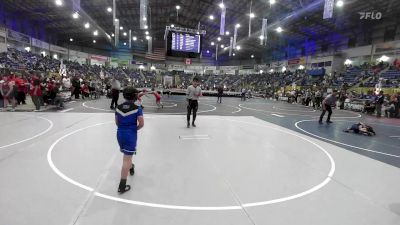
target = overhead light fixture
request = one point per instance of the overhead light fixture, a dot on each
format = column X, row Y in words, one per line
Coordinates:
column 178, row 7
column 59, row 2
column 252, row 15
column 125, row 34
column 109, row 9
column 227, row 33
column 71, row 40
column 75, row 15
column 146, row 27
column 271, row 70
column 147, row 33
column 348, row 62
column 134, row 38
column 94, row 41
column 261, row 37
column 237, row 25
column 144, row 18
column 221, row 5
column 271, row 2
column 124, row 43
column 116, row 20
column 212, row 43
column 233, row 54
column 219, row 38
column 172, row 25
column 222, row 46
column 339, row 3
column 252, row 56
column 211, row 17
column 87, row 25
column 95, row 33
column 238, row 47
column 148, row 37
column 279, row 29
column 121, row 28
column 112, row 34
column 208, row 51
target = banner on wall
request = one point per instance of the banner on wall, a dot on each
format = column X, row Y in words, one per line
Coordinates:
column 77, row 54
column 100, row 58
column 40, row 44
column 210, row 68
column 58, row 49
column 176, row 67
column 224, row 68
column 16, row 36
column 188, row 61
column 328, row 9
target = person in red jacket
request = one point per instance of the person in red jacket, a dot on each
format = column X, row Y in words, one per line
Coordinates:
column 36, row 93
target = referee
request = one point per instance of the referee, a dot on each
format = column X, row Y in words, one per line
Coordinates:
column 327, row 104
column 192, row 94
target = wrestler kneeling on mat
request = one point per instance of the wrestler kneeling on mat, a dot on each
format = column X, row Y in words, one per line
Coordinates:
column 129, row 119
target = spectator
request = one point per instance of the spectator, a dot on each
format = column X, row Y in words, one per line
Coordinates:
column 36, row 93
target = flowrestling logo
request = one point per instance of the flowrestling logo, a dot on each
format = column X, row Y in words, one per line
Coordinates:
column 370, row 15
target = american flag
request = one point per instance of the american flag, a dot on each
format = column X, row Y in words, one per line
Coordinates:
column 157, row 55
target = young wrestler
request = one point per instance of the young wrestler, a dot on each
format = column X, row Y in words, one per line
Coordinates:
column 129, row 119
column 361, row 128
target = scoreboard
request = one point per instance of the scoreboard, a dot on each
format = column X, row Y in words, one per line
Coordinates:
column 184, row 42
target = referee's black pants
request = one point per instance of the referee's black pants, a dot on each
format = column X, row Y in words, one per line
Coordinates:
column 329, row 109
column 192, row 107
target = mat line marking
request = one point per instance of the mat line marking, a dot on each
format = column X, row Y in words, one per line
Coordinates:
column 198, row 208
column 33, row 137
column 338, row 142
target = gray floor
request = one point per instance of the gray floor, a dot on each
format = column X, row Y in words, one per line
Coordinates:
column 245, row 163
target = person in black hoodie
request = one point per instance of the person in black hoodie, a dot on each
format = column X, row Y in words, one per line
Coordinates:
column 220, row 91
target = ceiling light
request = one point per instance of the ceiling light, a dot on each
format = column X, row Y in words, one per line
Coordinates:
column 134, row 38
column 222, row 46
column 59, row 2
column 238, row 47
column 227, row 33
column 121, row 28
column 348, row 62
column 178, row 7
column 252, row 56
column 221, row 5
column 279, row 29
column 112, row 34
column 172, row 25
column 71, row 40
column 116, row 20
column 212, row 43
column 125, row 34
column 339, row 3
column 146, row 27
column 219, row 38
column 94, row 41
column 148, row 37
column 147, row 33
column 271, row 70
column 109, row 9
column 124, row 43
column 87, row 25
column 237, row 25
column 144, row 18
column 252, row 15
column 211, row 17
column 208, row 51
column 75, row 15
column 233, row 54
column 95, row 33
column 262, row 37
column 272, row 2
